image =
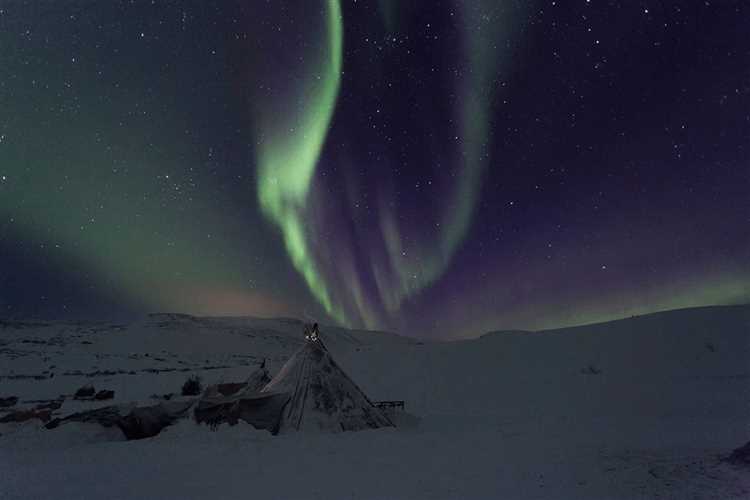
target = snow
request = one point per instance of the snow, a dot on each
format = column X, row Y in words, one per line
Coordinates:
column 637, row 408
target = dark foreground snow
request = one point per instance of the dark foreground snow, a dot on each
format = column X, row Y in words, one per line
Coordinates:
column 639, row 408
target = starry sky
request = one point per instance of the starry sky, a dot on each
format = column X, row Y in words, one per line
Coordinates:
column 436, row 168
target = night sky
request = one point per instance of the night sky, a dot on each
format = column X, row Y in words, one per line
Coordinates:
column 435, row 168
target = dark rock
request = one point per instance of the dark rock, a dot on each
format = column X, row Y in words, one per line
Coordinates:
column 740, row 456
column 591, row 370
column 192, row 386
column 85, row 392
column 104, row 394
column 8, row 402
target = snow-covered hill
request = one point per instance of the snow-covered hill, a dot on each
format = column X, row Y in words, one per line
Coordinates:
column 636, row 408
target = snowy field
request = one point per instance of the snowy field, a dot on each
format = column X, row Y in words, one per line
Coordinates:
column 639, row 408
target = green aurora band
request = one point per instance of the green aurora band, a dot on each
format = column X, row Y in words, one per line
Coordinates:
column 288, row 155
column 287, row 158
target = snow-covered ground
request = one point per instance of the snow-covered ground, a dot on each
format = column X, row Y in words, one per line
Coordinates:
column 637, row 408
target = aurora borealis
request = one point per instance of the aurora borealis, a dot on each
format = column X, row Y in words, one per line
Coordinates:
column 435, row 168
column 288, row 155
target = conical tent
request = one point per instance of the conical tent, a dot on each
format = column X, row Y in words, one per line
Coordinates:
column 310, row 393
column 321, row 396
